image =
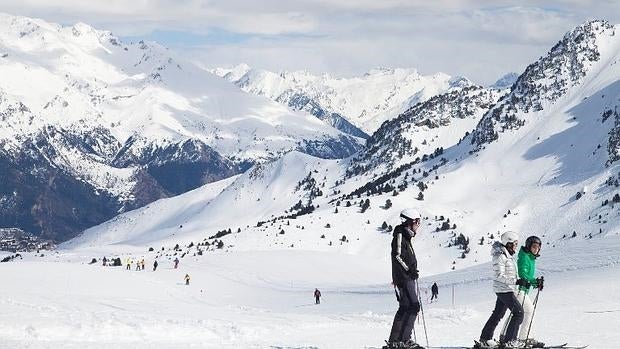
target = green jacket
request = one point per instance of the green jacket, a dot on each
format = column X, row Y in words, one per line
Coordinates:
column 526, row 263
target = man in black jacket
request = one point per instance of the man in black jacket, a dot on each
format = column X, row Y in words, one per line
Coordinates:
column 404, row 276
column 434, row 291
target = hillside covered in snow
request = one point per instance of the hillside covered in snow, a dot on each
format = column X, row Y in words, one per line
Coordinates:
column 92, row 126
column 549, row 169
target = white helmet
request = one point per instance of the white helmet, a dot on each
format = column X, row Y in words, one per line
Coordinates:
column 410, row 214
column 509, row 237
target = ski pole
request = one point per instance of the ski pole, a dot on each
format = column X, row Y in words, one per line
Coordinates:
column 533, row 312
column 422, row 311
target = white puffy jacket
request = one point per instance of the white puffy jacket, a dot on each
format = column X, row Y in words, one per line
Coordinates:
column 504, row 269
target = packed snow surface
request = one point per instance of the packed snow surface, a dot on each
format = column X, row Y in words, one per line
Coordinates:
column 258, row 299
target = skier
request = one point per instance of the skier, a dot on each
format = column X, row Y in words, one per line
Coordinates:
column 142, row 264
column 404, row 278
column 155, row 265
column 186, row 279
column 176, row 263
column 105, row 261
column 129, row 263
column 434, row 291
column 317, row 296
column 526, row 262
column 504, row 285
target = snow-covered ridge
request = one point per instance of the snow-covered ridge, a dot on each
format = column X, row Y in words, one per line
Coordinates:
column 130, row 122
column 590, row 46
column 365, row 101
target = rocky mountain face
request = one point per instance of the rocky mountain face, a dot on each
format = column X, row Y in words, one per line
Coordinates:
column 546, row 80
column 418, row 132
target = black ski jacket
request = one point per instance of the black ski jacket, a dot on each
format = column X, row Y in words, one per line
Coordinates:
column 404, row 261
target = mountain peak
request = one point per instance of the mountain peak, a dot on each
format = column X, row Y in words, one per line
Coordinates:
column 596, row 26
column 550, row 78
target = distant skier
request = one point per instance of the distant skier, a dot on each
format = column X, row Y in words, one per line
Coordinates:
column 129, row 264
column 176, row 263
column 526, row 263
column 105, row 261
column 187, row 279
column 434, row 291
column 155, row 265
column 142, row 264
column 505, row 280
column 404, row 276
column 317, row 296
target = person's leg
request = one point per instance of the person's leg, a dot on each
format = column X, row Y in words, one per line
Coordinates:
column 412, row 309
column 399, row 317
column 528, row 311
column 510, row 301
column 494, row 319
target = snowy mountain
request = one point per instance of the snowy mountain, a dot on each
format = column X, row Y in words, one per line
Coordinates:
column 571, row 62
column 356, row 105
column 426, row 128
column 543, row 161
column 505, row 82
column 554, row 175
column 92, row 126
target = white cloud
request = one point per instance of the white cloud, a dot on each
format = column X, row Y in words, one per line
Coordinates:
column 476, row 38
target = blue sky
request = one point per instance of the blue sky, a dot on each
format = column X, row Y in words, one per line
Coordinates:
column 478, row 39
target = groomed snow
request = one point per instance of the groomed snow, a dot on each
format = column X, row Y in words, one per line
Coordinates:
column 264, row 300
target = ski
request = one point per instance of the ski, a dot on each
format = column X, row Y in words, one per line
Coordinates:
column 556, row 346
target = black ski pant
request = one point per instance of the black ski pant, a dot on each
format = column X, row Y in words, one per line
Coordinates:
column 504, row 301
column 408, row 308
column 433, row 296
column 317, row 300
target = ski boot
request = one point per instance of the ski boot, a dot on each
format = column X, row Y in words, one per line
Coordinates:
column 409, row 344
column 486, row 344
column 392, row 345
column 513, row 344
column 533, row 343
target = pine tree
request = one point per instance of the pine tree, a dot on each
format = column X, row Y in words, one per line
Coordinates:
column 388, row 204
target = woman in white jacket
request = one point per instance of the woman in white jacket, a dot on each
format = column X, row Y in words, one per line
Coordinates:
column 505, row 281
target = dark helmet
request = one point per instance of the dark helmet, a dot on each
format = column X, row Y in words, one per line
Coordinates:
column 532, row 240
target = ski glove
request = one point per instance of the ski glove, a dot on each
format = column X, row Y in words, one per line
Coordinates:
column 540, row 283
column 413, row 273
column 523, row 282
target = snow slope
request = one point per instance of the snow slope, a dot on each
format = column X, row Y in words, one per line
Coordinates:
column 264, row 300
